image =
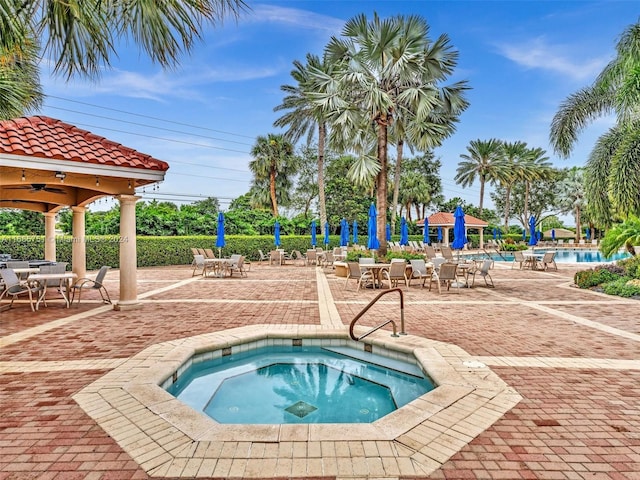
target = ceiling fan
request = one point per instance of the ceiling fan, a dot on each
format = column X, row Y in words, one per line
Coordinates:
column 38, row 187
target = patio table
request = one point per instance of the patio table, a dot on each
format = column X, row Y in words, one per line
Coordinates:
column 376, row 270
column 532, row 259
column 219, row 266
column 65, row 279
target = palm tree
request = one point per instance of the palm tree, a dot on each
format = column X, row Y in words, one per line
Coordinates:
column 305, row 115
column 20, row 90
column 273, row 156
column 534, row 166
column 386, row 69
column 509, row 172
column 573, row 196
column 483, row 161
column 79, row 36
column 625, row 234
column 613, row 168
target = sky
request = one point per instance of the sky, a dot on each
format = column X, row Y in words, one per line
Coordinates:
column 521, row 59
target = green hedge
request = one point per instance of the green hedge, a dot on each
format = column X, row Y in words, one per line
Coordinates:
column 154, row 251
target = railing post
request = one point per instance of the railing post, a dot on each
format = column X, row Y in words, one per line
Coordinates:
column 371, row 303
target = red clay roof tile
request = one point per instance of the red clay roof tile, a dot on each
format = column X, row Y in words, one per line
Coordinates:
column 446, row 218
column 46, row 137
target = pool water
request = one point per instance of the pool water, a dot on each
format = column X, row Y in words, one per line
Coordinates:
column 567, row 256
column 278, row 384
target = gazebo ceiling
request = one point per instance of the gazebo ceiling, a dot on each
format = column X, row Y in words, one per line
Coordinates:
column 46, row 164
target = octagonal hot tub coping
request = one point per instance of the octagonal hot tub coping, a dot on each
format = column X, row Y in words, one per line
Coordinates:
column 154, row 427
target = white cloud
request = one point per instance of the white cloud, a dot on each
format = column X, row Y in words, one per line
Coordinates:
column 537, row 53
column 294, row 17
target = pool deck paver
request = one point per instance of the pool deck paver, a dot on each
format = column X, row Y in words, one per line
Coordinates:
column 572, row 355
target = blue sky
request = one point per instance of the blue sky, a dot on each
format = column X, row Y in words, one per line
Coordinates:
column 521, row 58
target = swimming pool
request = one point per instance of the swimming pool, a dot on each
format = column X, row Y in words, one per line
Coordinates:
column 284, row 384
column 564, row 256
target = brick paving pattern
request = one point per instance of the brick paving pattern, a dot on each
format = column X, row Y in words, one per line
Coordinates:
column 575, row 421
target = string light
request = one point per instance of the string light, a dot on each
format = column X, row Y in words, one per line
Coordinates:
column 97, row 181
column 129, row 184
column 23, row 176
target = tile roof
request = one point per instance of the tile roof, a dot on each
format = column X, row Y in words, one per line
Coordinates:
column 446, row 218
column 49, row 138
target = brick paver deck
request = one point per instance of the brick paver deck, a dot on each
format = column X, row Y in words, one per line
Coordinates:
column 572, row 355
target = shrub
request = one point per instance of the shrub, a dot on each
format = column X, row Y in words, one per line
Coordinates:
column 355, row 255
column 513, row 247
column 622, row 287
column 406, row 255
column 631, row 266
column 593, row 277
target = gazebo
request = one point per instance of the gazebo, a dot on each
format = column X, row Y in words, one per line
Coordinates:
column 446, row 220
column 46, row 165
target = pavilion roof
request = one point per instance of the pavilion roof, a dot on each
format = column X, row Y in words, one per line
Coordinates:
column 446, row 219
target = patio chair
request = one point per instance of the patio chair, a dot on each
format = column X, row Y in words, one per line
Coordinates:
column 447, row 253
column 57, row 268
column 549, row 259
column 419, row 270
column 92, row 284
column 209, row 253
column 14, row 288
column 354, row 272
column 484, row 272
column 19, row 264
column 296, row 255
column 237, row 265
column 198, row 264
column 328, row 259
column 518, row 257
column 397, row 272
column 448, row 274
column 430, row 252
column 194, row 251
column 312, row 256
column 202, row 252
column 362, row 260
column 262, row 257
column 275, row 257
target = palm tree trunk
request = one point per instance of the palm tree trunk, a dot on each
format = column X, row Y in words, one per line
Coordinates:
column 526, row 199
column 381, row 180
column 578, row 226
column 322, row 133
column 507, row 207
column 396, row 183
column 272, row 191
column 481, row 195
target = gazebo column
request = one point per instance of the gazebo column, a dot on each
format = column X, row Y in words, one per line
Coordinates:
column 50, row 236
column 481, row 237
column 78, row 247
column 446, row 236
column 128, row 253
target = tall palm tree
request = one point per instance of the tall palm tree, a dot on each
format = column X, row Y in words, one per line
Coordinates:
column 304, row 115
column 384, row 69
column 20, row 89
column 534, row 166
column 573, row 196
column 273, row 156
column 509, row 172
column 483, row 162
column 613, row 168
column 80, row 36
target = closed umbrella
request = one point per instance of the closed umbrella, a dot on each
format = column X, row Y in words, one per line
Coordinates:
column 313, row 234
column 532, row 231
column 495, row 233
column 326, row 233
column 372, row 241
column 425, row 232
column 439, row 234
column 388, row 232
column 344, row 233
column 553, row 234
column 587, row 233
column 459, row 232
column 220, row 234
column 355, row 231
column 404, row 232
column 499, row 234
column 276, row 234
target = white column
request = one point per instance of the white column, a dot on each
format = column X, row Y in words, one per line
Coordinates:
column 128, row 253
column 78, row 247
column 446, row 236
column 481, row 237
column 50, row 236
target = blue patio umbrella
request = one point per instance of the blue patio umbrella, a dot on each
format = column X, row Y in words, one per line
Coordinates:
column 220, row 234
column 276, row 234
column 459, row 231
column 587, row 233
column 388, row 232
column 439, row 234
column 532, row 231
column 355, row 231
column 499, row 233
column 553, row 234
column 425, row 232
column 344, row 233
column 495, row 233
column 372, row 241
column 313, row 234
column 404, row 232
column 326, row 233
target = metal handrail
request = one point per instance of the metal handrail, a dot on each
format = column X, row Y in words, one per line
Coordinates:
column 365, row 309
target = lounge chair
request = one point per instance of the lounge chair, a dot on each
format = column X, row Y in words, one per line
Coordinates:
column 198, row 264
column 549, row 259
column 484, row 272
column 14, row 288
column 262, row 256
column 518, row 257
column 296, row 255
column 236, row 264
column 202, row 252
column 354, row 272
column 92, row 284
column 397, row 272
column 194, row 251
column 448, row 274
column 209, row 253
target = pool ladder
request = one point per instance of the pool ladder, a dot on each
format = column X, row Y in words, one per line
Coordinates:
column 371, row 303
